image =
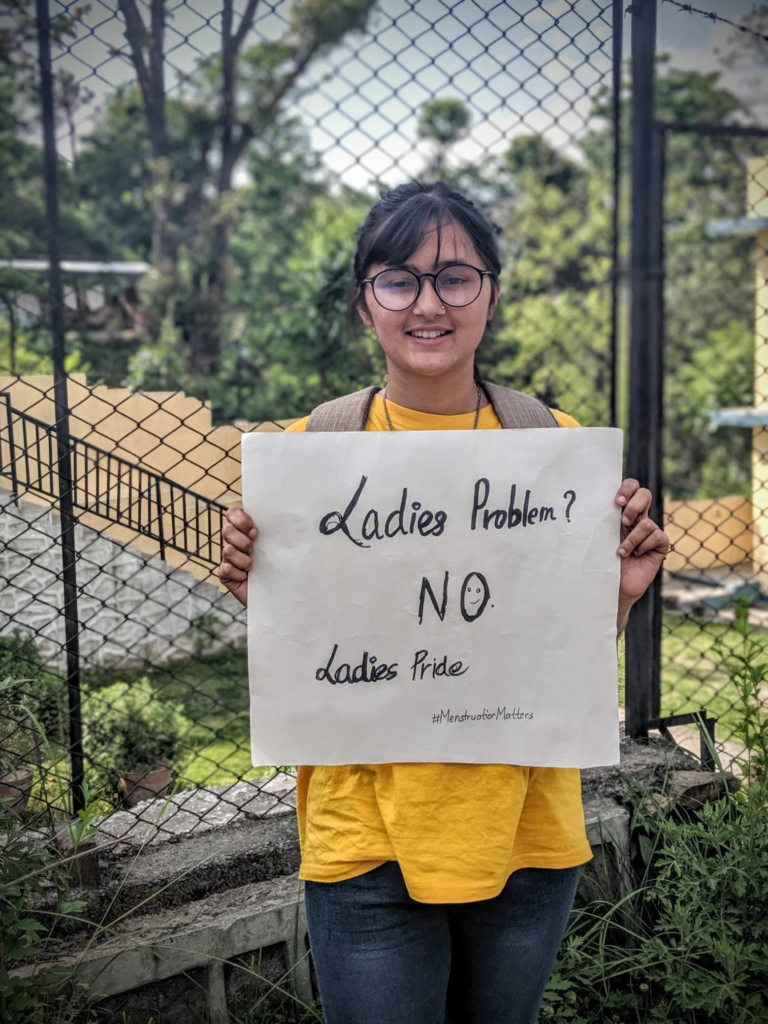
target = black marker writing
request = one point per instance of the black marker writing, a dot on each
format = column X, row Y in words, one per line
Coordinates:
column 426, row 589
column 366, row 671
column 475, row 595
column 512, row 515
column 403, row 521
column 335, row 521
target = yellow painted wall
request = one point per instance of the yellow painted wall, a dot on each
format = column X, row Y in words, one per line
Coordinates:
column 708, row 534
column 167, row 433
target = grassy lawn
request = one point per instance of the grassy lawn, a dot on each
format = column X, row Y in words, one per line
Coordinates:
column 692, row 674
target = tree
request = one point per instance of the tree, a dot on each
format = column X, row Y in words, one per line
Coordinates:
column 444, row 122
column 241, row 92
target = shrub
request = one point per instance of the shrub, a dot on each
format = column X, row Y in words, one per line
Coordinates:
column 44, row 693
column 126, row 727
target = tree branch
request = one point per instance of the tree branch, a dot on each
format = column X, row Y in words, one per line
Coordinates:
column 151, row 75
column 135, row 33
column 246, row 24
column 265, row 111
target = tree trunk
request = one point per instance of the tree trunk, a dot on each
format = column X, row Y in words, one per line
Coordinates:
column 148, row 57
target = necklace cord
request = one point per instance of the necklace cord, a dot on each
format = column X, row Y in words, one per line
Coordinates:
column 390, row 425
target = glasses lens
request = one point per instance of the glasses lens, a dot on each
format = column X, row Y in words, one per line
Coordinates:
column 396, row 289
column 458, row 286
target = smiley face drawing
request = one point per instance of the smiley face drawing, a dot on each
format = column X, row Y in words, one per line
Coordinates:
column 475, row 595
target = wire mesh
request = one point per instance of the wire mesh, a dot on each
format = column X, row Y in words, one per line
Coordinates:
column 714, row 329
column 215, row 162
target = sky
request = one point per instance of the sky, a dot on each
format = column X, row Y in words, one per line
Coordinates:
column 522, row 65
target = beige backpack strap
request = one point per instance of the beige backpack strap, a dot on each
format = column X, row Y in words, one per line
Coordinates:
column 516, row 410
column 349, row 412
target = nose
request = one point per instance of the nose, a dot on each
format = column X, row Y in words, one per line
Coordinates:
column 428, row 303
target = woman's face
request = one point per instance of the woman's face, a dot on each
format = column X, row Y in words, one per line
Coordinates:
column 431, row 338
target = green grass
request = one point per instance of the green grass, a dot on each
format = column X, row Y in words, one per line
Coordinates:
column 692, row 673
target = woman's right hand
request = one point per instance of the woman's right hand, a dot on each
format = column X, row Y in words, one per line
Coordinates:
column 238, row 534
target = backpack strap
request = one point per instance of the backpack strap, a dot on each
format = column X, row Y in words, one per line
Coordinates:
column 349, row 412
column 514, row 409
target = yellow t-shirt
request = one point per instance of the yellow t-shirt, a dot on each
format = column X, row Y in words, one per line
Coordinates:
column 458, row 831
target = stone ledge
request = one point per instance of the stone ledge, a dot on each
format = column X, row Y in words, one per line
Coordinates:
column 646, row 762
column 196, row 811
column 172, row 874
column 203, row 934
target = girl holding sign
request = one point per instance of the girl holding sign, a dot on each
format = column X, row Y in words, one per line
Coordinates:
column 434, row 886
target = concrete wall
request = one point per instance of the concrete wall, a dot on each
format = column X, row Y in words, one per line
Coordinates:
column 130, row 607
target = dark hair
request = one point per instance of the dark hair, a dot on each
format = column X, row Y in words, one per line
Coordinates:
column 398, row 224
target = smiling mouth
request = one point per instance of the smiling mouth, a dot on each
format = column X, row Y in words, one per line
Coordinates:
column 434, row 335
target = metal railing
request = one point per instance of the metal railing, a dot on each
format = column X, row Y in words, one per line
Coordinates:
column 110, row 487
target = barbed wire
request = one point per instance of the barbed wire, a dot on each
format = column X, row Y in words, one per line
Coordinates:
column 714, row 16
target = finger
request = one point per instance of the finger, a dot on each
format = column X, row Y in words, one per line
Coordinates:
column 240, row 519
column 627, row 489
column 237, row 558
column 636, row 537
column 656, row 541
column 637, row 506
column 229, row 573
column 237, row 538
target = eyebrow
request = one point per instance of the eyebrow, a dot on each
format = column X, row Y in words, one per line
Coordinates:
column 437, row 266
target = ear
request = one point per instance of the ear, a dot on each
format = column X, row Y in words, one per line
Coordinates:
column 365, row 316
column 495, row 292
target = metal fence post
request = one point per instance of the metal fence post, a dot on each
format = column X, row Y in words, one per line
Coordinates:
column 643, row 650
column 618, row 51
column 61, row 401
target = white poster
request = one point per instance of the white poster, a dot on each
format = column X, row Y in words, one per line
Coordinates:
column 434, row 596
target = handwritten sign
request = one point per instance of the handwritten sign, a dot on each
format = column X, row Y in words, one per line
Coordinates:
column 434, row 596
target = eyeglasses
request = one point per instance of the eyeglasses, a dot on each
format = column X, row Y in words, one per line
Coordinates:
column 456, row 285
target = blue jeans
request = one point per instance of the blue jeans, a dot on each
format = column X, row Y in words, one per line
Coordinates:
column 383, row 958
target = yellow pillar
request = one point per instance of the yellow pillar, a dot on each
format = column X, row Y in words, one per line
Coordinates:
column 757, row 206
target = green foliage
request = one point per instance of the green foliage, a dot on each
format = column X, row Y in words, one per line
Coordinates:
column 690, row 944
column 748, row 671
column 28, row 869
column 42, row 694
column 128, row 727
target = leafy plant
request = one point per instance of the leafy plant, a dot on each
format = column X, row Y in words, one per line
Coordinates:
column 45, row 693
column 19, row 744
column 690, row 944
column 748, row 672
column 28, row 868
column 127, row 727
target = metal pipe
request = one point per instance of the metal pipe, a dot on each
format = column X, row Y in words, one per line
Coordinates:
column 61, row 402
column 643, row 458
column 618, row 47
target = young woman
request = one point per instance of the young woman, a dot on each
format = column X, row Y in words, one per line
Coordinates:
column 439, row 887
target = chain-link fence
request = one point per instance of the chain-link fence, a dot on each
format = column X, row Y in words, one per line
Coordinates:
column 706, row 166
column 716, row 333
column 214, row 161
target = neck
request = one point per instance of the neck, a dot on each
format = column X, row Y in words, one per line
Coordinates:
column 449, row 394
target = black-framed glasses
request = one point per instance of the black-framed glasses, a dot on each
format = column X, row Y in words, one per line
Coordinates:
column 456, row 285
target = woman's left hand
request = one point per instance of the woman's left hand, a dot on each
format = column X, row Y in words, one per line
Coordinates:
column 643, row 545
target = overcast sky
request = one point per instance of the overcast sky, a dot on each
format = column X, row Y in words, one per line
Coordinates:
column 525, row 65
